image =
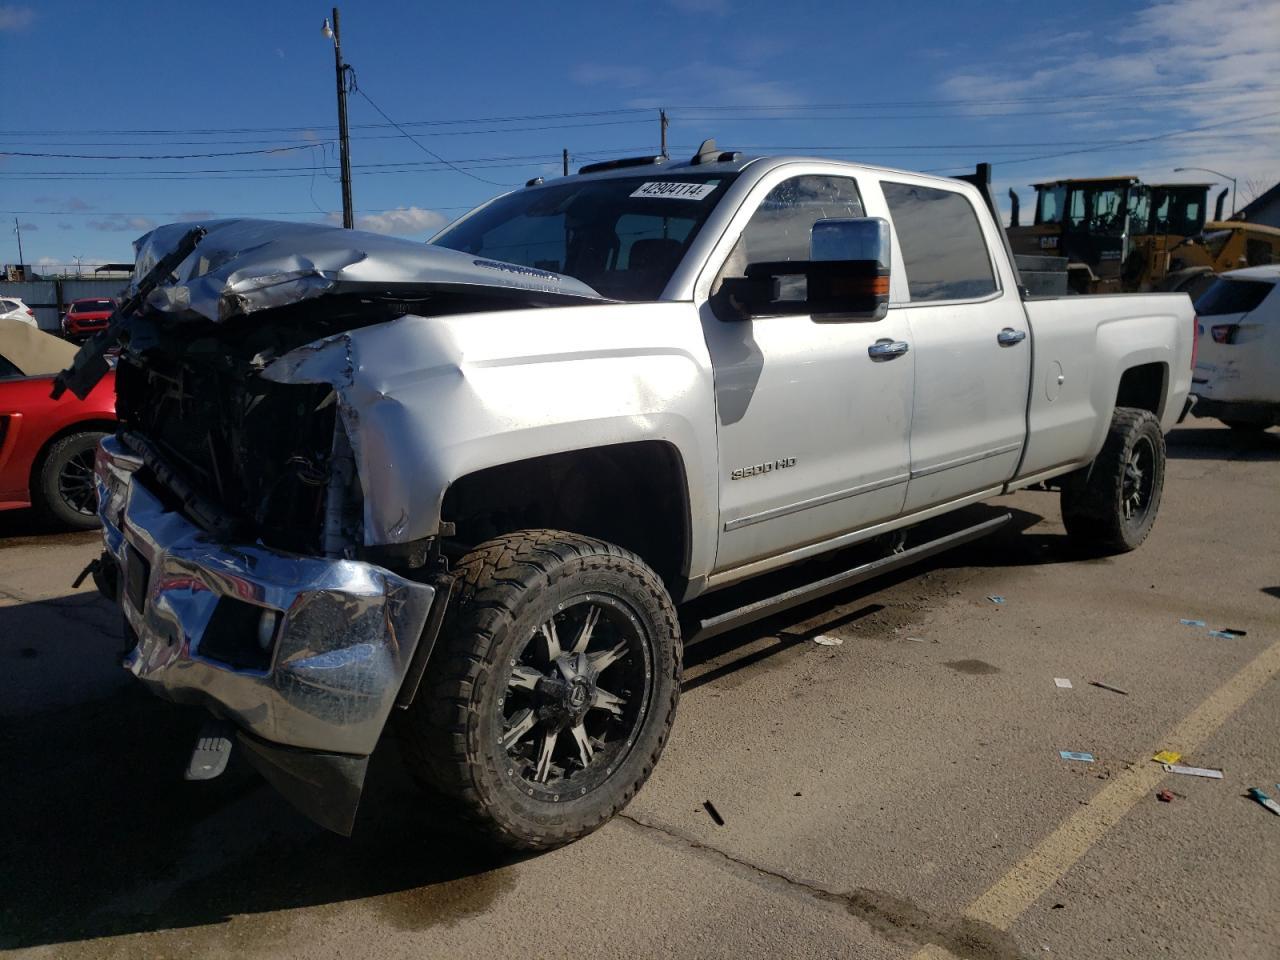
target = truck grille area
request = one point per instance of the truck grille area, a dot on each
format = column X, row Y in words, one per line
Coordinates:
column 260, row 451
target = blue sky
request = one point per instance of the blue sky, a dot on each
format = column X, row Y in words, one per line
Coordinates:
column 924, row 85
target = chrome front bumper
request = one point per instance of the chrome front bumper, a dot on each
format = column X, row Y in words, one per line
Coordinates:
column 336, row 635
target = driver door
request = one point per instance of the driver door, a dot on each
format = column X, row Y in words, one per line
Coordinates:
column 813, row 417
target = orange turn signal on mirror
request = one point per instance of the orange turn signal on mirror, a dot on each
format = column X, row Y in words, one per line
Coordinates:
column 864, row 286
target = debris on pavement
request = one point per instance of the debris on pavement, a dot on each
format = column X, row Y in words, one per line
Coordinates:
column 1107, row 686
column 1165, row 796
column 1266, row 801
column 827, row 641
column 1191, row 623
column 1228, row 633
column 1076, row 755
column 1193, row 771
column 1062, row 682
column 1167, row 756
column 995, row 598
column 715, row 814
column 919, row 640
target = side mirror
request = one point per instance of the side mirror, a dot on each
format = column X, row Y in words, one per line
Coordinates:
column 849, row 269
column 847, row 276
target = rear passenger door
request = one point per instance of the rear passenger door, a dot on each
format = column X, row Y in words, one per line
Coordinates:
column 970, row 339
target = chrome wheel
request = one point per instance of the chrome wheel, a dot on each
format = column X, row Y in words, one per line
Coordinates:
column 76, row 484
column 575, row 697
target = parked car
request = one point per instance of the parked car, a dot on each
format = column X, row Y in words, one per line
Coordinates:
column 12, row 308
column 1237, row 375
column 476, row 485
column 86, row 316
column 47, row 446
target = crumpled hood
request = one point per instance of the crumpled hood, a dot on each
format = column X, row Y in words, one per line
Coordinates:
column 244, row 266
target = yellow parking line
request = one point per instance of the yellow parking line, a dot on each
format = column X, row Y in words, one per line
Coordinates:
column 1022, row 886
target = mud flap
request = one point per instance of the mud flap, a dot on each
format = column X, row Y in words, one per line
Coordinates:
column 326, row 787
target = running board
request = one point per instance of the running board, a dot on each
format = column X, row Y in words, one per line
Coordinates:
column 732, row 619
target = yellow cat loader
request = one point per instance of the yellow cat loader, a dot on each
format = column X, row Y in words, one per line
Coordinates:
column 1119, row 234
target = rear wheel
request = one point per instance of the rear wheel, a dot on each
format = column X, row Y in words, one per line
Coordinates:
column 1112, row 504
column 552, row 691
column 63, row 488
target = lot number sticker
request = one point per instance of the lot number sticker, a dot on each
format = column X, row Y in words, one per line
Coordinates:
column 675, row 191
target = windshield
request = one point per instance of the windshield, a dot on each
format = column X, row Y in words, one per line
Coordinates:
column 1049, row 209
column 623, row 237
column 91, row 306
column 1098, row 210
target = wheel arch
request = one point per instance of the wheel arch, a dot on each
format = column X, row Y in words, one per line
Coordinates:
column 79, row 426
column 634, row 494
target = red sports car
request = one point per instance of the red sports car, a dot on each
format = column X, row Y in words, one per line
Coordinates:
column 47, row 446
column 86, row 317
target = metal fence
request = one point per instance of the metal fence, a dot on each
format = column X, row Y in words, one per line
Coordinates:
column 49, row 298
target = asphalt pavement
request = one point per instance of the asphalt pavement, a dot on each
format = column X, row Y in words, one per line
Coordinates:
column 898, row 795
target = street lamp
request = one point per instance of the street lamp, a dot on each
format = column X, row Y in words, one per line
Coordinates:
column 344, row 140
column 1216, row 174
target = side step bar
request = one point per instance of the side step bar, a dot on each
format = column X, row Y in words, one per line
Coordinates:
column 732, row 619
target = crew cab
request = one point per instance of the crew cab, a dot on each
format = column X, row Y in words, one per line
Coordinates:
column 476, row 487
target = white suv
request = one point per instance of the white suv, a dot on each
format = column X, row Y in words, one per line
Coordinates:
column 1237, row 373
column 11, row 308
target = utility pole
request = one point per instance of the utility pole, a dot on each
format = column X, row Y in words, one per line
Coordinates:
column 662, row 121
column 18, row 230
column 344, row 139
column 566, row 165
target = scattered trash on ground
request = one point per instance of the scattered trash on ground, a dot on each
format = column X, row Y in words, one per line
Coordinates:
column 1266, row 801
column 1107, row 686
column 826, row 641
column 1167, row 756
column 1191, row 623
column 1227, row 634
column 1165, row 796
column 1193, row 771
column 919, row 640
column 1075, row 755
column 1062, row 682
column 715, row 814
column 994, row 598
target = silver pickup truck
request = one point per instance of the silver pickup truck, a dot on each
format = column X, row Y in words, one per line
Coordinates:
column 472, row 487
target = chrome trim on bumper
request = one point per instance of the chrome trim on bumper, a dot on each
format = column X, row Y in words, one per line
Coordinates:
column 346, row 630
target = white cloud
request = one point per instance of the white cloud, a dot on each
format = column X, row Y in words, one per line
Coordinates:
column 120, row 224
column 402, row 221
column 1186, row 64
column 16, row 18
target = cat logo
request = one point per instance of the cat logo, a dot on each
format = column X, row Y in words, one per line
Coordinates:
column 761, row 468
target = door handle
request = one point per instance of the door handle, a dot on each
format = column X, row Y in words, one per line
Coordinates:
column 887, row 349
column 1009, row 336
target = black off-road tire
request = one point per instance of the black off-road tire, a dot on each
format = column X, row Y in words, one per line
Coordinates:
column 451, row 736
column 1094, row 499
column 61, row 467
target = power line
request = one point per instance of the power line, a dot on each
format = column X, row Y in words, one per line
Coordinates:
column 155, row 156
column 355, row 86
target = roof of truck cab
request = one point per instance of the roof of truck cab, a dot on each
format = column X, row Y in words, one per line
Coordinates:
column 736, row 165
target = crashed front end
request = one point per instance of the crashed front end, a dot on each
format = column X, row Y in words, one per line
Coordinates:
column 254, row 576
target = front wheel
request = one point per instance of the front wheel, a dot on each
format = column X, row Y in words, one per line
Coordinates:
column 552, row 691
column 63, row 488
column 1112, row 504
